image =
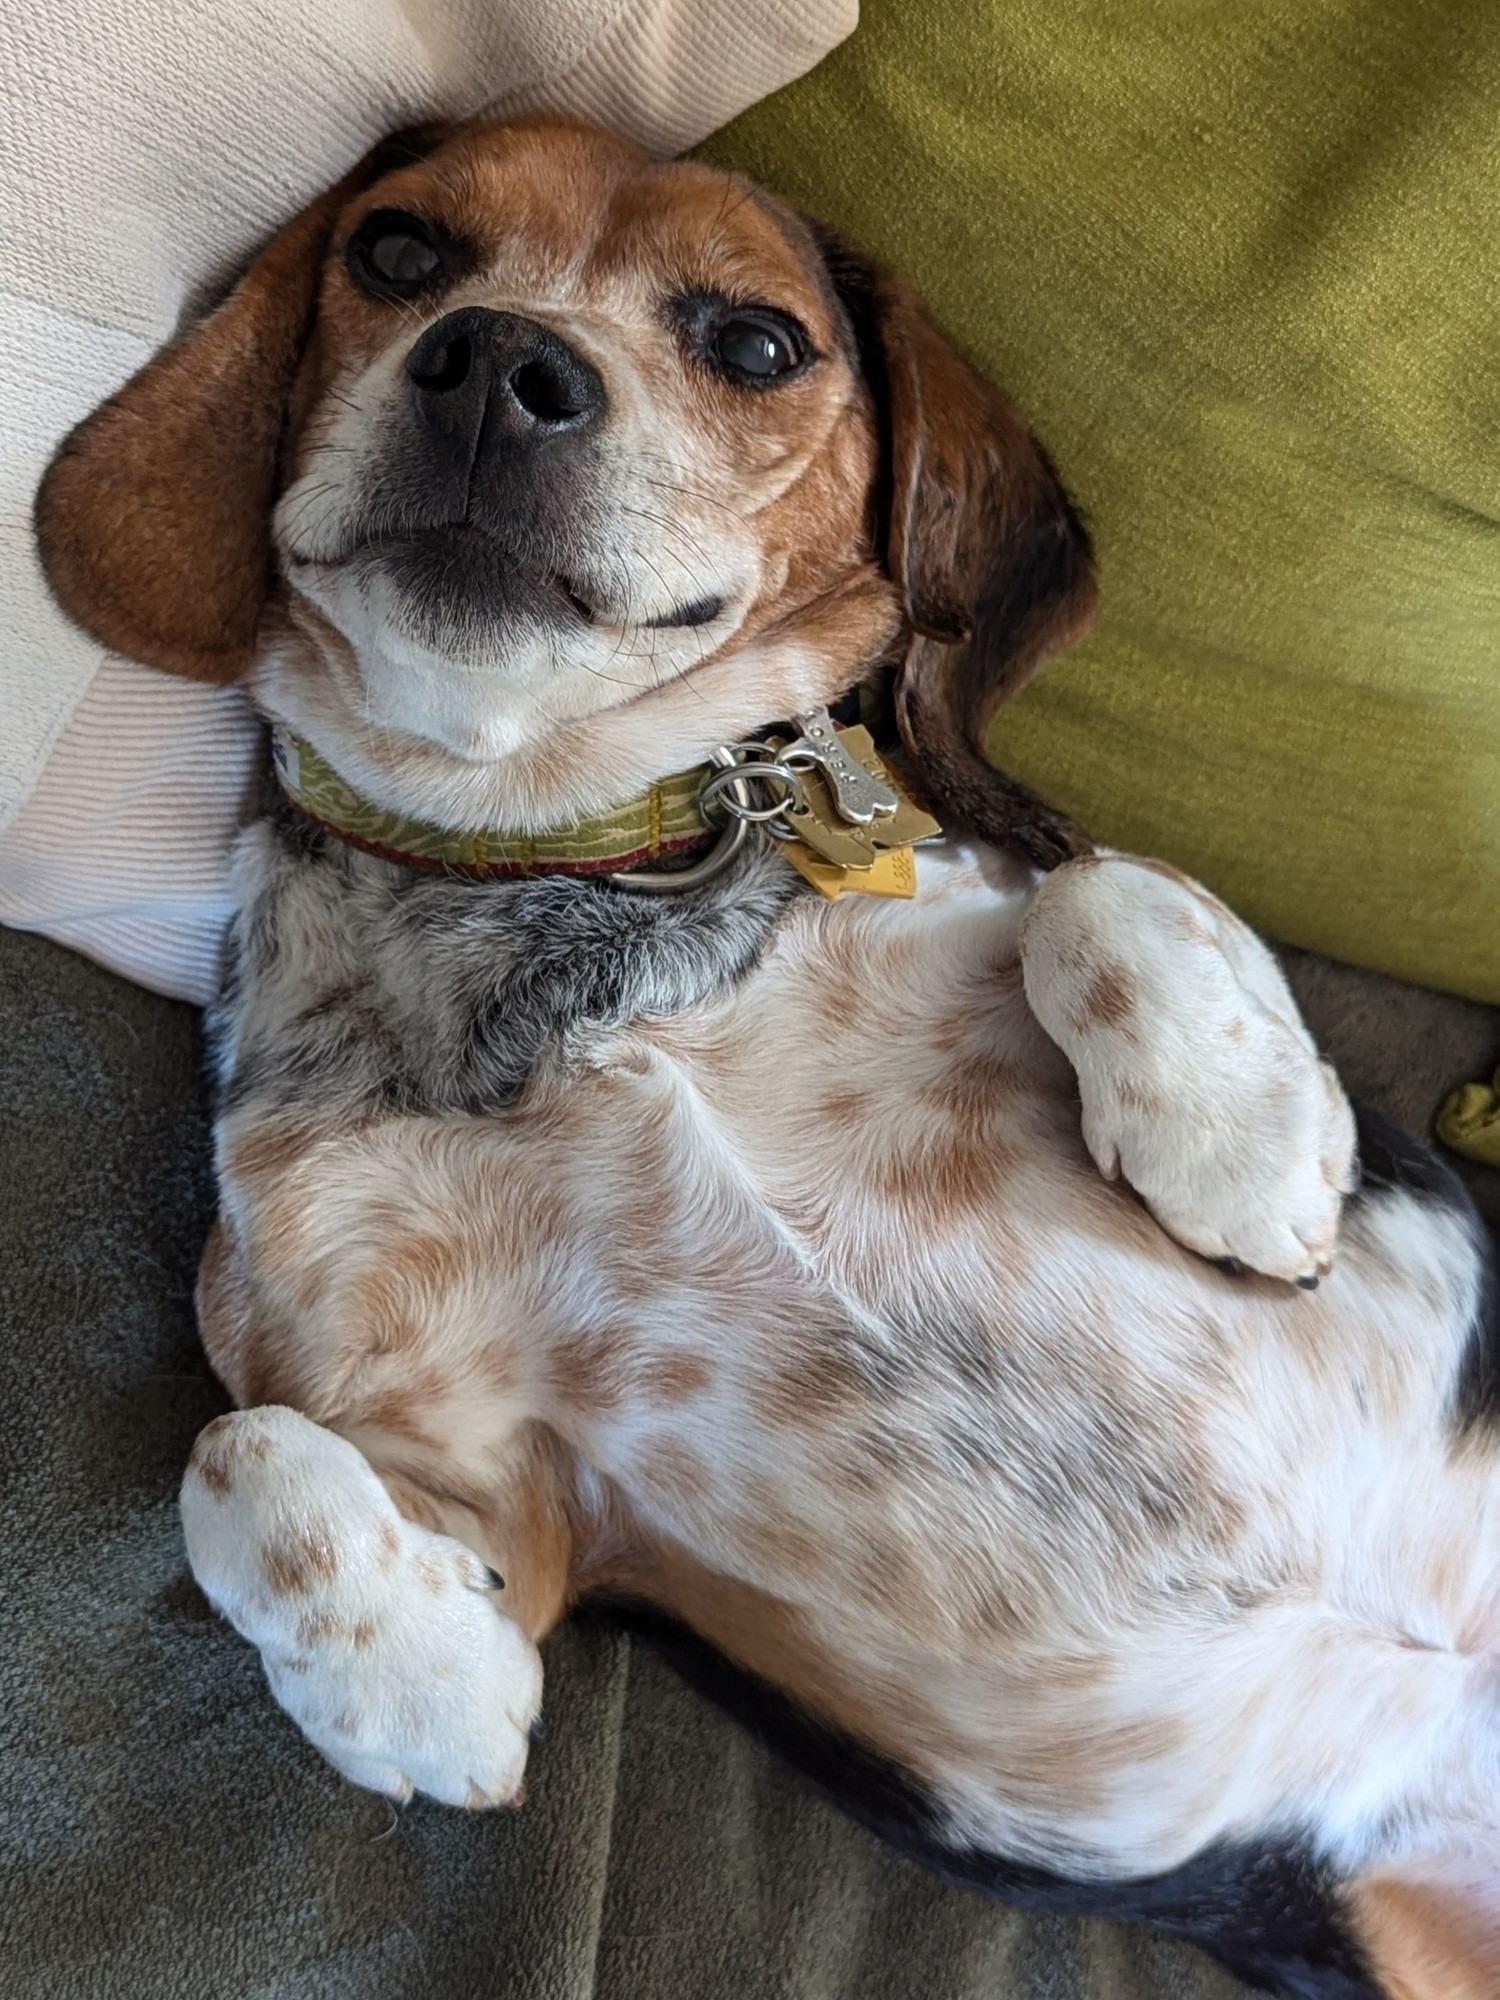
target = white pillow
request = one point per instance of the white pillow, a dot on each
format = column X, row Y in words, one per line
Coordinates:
column 145, row 152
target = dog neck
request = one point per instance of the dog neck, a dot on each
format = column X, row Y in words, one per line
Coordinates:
column 563, row 771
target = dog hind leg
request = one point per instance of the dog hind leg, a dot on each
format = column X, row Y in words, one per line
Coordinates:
column 382, row 1637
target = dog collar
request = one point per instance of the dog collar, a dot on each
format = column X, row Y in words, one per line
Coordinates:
column 824, row 793
column 662, row 823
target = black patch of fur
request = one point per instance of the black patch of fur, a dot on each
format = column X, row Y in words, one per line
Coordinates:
column 358, row 984
column 406, row 148
column 1391, row 1160
column 1266, row 1910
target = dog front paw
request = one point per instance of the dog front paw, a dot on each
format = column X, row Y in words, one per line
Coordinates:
column 1199, row 1084
column 1247, row 1165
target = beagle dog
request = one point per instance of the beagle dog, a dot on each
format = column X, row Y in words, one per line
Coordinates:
column 905, row 1305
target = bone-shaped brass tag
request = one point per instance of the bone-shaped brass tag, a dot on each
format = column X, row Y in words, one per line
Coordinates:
column 818, row 822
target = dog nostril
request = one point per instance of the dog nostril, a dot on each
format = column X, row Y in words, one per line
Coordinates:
column 452, row 366
column 543, row 394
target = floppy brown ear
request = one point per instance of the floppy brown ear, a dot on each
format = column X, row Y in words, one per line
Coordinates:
column 992, row 560
column 154, row 519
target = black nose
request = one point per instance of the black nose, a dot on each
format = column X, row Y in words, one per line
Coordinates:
column 480, row 377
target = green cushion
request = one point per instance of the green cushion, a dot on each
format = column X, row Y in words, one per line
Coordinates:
column 1238, row 266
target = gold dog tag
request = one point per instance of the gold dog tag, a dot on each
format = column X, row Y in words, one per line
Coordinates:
column 893, row 873
column 819, row 824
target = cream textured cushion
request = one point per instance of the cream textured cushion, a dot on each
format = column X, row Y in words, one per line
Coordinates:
column 145, row 151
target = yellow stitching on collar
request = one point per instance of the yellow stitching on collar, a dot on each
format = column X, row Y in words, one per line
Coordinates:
column 665, row 818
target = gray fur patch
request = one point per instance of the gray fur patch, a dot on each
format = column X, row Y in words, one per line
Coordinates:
column 357, row 984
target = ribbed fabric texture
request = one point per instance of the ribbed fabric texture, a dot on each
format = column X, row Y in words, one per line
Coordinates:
column 145, row 151
column 668, row 71
column 122, row 850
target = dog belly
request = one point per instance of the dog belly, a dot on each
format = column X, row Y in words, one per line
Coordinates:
column 1114, row 1549
column 1115, row 1602
column 1108, row 1547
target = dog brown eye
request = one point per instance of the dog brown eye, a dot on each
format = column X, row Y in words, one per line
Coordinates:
column 393, row 256
column 756, row 348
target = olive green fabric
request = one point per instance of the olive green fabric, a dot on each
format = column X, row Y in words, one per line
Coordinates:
column 1470, row 1121
column 1239, row 267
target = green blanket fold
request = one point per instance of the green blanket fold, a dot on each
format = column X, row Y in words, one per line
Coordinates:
column 1239, row 266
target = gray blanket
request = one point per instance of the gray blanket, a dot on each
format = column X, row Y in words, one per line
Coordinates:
column 163, row 1828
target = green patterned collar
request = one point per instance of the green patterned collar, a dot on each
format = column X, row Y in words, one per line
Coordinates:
column 660, row 824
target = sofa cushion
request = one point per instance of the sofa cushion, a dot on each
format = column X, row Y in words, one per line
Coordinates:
column 1239, row 266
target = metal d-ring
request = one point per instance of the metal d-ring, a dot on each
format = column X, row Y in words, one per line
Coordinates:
column 671, row 881
column 728, row 787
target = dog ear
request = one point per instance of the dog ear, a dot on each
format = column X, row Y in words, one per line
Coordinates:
column 154, row 519
column 990, row 556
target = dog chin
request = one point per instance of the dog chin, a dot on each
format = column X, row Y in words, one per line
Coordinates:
column 479, row 682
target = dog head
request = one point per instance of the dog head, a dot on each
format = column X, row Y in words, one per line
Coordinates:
column 520, row 468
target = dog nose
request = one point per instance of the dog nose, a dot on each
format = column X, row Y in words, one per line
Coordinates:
column 480, row 376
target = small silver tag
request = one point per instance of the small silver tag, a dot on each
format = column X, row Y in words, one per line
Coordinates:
column 858, row 795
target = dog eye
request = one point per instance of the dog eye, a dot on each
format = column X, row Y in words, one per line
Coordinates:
column 393, row 256
column 402, row 259
column 756, row 347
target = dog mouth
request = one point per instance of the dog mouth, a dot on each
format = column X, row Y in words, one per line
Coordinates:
column 462, row 568
column 465, row 569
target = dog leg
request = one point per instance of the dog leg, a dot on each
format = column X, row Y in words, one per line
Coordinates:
column 1199, row 1083
column 381, row 1638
